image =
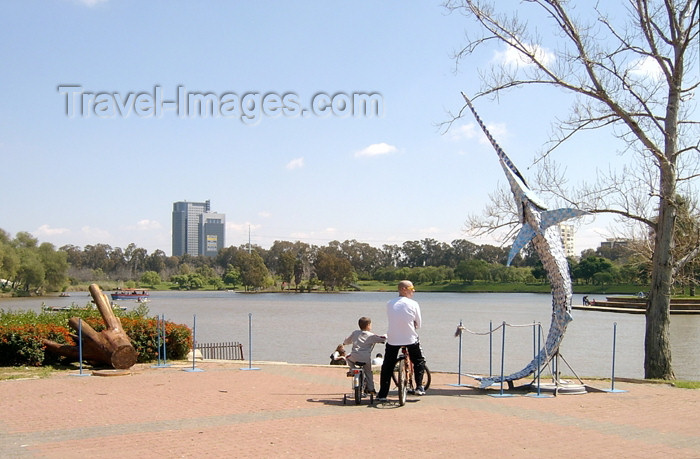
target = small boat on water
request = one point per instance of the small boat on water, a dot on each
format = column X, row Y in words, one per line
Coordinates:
column 130, row 294
column 638, row 305
column 74, row 306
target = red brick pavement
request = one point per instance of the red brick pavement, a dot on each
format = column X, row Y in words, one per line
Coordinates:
column 298, row 411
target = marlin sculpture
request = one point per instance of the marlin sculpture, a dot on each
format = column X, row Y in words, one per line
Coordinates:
column 541, row 227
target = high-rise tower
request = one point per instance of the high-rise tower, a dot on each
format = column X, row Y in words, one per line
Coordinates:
column 197, row 230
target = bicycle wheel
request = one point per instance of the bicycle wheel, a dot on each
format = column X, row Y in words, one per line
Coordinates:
column 403, row 382
column 358, row 388
column 426, row 377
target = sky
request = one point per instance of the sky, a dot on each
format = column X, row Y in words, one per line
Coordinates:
column 96, row 144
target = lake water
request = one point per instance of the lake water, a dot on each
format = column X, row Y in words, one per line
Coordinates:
column 306, row 328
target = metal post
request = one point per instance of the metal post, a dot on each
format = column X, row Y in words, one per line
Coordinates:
column 612, row 385
column 80, row 349
column 460, row 330
column 250, row 343
column 503, row 352
column 160, row 329
column 194, row 346
column 490, row 348
column 165, row 344
column 539, row 363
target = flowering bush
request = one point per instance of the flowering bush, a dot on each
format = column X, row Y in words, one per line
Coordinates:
column 21, row 335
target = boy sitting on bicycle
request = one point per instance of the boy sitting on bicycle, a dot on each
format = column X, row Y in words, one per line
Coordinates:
column 363, row 341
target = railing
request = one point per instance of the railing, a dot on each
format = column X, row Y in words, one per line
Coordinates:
column 221, row 351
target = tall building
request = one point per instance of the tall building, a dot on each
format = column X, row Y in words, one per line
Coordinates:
column 197, row 230
column 567, row 237
column 211, row 233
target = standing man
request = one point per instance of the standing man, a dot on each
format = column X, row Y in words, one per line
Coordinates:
column 404, row 318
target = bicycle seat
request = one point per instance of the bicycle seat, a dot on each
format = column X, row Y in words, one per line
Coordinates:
column 360, row 364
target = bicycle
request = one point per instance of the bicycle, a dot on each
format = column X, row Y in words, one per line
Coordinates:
column 359, row 384
column 403, row 376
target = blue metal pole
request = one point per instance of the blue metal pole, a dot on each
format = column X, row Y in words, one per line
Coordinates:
column 194, row 345
column 612, row 386
column 539, row 365
column 159, row 343
column 503, row 352
column 613, row 354
column 534, row 349
column 250, row 343
column 165, row 353
column 194, row 338
column 490, row 348
column 80, row 349
column 80, row 344
column 459, row 367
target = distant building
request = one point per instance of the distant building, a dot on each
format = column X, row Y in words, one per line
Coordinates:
column 211, row 233
column 197, row 230
column 612, row 243
column 567, row 237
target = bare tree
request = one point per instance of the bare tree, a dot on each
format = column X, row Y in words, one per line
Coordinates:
column 599, row 59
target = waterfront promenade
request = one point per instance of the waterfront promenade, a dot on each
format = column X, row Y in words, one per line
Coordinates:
column 286, row 410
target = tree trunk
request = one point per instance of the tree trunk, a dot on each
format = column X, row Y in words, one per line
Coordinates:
column 111, row 346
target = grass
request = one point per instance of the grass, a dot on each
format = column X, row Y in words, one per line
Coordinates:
column 29, row 372
column 495, row 287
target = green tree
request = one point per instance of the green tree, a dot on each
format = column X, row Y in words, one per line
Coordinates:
column 232, row 276
column 471, row 270
column 333, row 271
column 30, row 274
column 286, row 262
column 254, row 273
column 55, row 266
column 151, row 278
column 590, row 266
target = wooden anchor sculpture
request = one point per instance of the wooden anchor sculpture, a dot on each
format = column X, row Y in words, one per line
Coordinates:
column 111, row 346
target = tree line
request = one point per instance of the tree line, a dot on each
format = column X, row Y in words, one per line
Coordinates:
column 28, row 266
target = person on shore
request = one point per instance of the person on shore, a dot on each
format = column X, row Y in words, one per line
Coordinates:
column 363, row 341
column 378, row 360
column 338, row 356
column 404, row 318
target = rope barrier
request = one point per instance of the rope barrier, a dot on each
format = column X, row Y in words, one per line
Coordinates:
column 504, row 324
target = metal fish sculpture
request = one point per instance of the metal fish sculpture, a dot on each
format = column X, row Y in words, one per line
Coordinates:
column 541, row 227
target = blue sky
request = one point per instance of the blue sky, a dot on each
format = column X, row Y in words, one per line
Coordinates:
column 88, row 178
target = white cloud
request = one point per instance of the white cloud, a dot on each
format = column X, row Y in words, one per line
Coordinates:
column 91, row 3
column 95, row 234
column 46, row 230
column 264, row 214
column 241, row 228
column 146, row 225
column 471, row 131
column 430, row 230
column 514, row 58
column 646, row 67
column 376, row 149
column 466, row 131
column 295, row 164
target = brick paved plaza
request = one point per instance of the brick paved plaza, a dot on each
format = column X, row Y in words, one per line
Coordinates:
column 285, row 410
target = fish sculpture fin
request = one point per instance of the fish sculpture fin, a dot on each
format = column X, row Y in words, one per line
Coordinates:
column 524, row 236
column 553, row 217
